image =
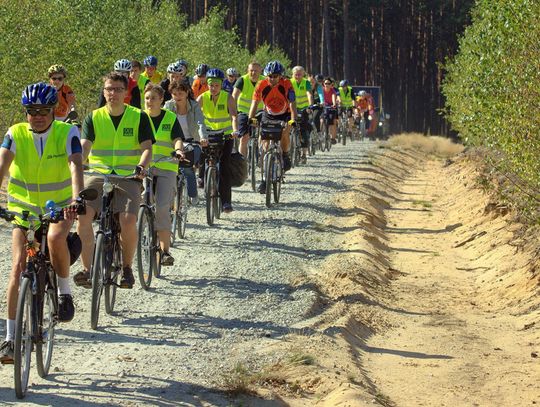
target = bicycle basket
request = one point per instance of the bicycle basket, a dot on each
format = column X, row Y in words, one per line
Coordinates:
column 238, row 167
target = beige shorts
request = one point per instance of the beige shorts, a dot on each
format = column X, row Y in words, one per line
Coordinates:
column 127, row 197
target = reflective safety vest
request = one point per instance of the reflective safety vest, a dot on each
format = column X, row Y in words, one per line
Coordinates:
column 245, row 97
column 34, row 180
column 141, row 83
column 161, row 150
column 113, row 149
column 216, row 115
column 346, row 97
column 300, row 89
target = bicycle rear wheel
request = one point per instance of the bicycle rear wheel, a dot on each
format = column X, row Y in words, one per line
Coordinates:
column 252, row 162
column 182, row 208
column 211, row 189
column 112, row 274
column 25, row 326
column 44, row 349
column 145, row 247
column 99, row 265
column 276, row 179
column 269, row 164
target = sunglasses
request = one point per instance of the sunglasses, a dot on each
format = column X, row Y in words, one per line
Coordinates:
column 328, row 83
column 41, row 111
column 116, row 89
column 274, row 76
column 57, row 78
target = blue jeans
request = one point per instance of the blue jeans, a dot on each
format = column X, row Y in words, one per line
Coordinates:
column 191, row 180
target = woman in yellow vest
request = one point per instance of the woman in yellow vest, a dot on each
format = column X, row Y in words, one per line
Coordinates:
column 169, row 137
column 44, row 161
column 219, row 112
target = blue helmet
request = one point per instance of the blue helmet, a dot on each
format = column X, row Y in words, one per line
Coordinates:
column 273, row 67
column 39, row 94
column 201, row 69
column 215, row 73
column 344, row 83
column 150, row 60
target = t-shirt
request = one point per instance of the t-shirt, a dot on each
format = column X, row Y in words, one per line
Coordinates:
column 328, row 96
column 145, row 130
column 227, row 86
column 276, row 99
column 73, row 143
column 239, row 84
column 176, row 131
column 199, row 88
column 66, row 99
column 132, row 98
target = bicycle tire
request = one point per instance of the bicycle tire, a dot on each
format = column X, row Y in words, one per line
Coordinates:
column 210, row 204
column 50, row 309
column 25, row 324
column 276, row 181
column 145, row 247
column 182, row 208
column 157, row 269
column 298, row 151
column 344, row 134
column 292, row 147
column 268, row 176
column 252, row 162
column 98, row 271
column 174, row 214
column 112, row 275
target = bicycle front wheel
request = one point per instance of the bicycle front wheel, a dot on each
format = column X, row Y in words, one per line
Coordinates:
column 277, row 172
column 112, row 272
column 25, row 325
column 44, row 349
column 98, row 271
column 252, row 153
column 211, row 191
column 145, row 247
column 269, row 165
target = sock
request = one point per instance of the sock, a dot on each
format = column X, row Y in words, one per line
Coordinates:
column 10, row 334
column 63, row 285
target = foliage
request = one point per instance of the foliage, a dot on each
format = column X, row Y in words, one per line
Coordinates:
column 492, row 89
column 88, row 36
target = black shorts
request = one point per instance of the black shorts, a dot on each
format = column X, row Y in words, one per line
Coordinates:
column 330, row 115
column 243, row 123
column 283, row 117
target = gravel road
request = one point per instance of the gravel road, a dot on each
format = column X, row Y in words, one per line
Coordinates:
column 241, row 281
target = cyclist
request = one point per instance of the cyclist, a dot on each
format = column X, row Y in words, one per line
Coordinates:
column 219, row 112
column 175, row 73
column 330, row 100
column 243, row 95
column 133, row 97
column 44, row 161
column 189, row 115
column 200, row 84
column 228, row 83
column 188, row 79
column 304, row 99
column 364, row 103
column 278, row 97
column 150, row 69
column 318, row 98
column 169, row 136
column 346, row 101
column 66, row 97
column 116, row 139
column 135, row 74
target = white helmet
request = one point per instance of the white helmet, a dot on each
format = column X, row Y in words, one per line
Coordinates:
column 232, row 72
column 122, row 65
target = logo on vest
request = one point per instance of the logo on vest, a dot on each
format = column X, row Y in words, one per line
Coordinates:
column 220, row 107
column 128, row 131
column 50, row 156
column 166, row 127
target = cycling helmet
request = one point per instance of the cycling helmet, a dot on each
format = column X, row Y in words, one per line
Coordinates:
column 150, row 60
column 57, row 69
column 122, row 65
column 232, row 72
column 344, row 83
column 202, row 69
column 176, row 68
column 215, row 73
column 362, row 93
column 273, row 67
column 182, row 62
column 319, row 77
column 39, row 94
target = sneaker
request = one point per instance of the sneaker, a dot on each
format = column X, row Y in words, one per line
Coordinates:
column 303, row 159
column 333, row 141
column 262, row 187
column 194, row 200
column 227, row 208
column 82, row 279
column 167, row 259
column 66, row 309
column 200, row 183
column 6, row 353
column 286, row 162
column 127, row 279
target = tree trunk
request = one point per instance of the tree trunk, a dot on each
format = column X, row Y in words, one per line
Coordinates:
column 346, row 42
column 248, row 24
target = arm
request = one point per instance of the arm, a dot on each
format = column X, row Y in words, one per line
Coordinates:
column 6, row 158
column 233, row 113
column 236, row 94
column 86, row 146
column 76, row 167
column 146, row 156
column 310, row 97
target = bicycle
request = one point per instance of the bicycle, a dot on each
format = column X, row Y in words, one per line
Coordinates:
column 253, row 156
column 295, row 152
column 211, row 171
column 37, row 305
column 272, row 167
column 325, row 129
column 106, row 267
column 179, row 209
column 314, row 137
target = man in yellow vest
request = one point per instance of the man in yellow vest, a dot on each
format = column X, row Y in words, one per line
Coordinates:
column 116, row 139
column 44, row 160
column 219, row 112
column 304, row 99
column 242, row 94
column 346, row 101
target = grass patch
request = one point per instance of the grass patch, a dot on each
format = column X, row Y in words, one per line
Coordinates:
column 425, row 204
column 435, row 145
column 300, row 358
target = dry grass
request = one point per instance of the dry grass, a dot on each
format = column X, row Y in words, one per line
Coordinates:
column 436, row 145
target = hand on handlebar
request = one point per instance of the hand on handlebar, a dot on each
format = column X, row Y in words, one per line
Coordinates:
column 292, row 123
column 139, row 172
